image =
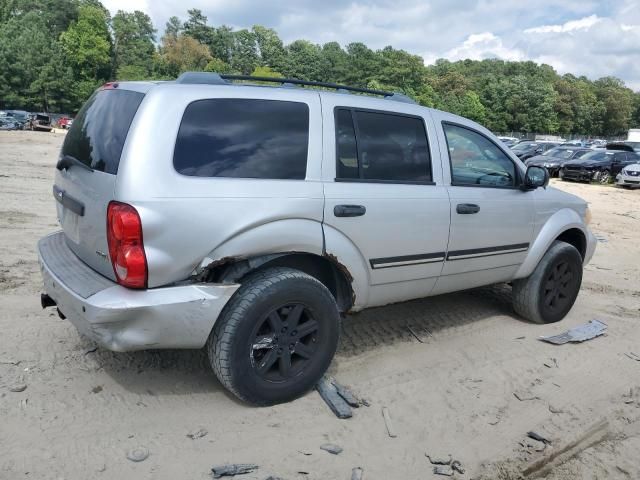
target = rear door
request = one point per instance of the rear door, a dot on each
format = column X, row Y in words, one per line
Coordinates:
column 383, row 193
column 87, row 169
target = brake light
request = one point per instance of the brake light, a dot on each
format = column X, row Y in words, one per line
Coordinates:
column 126, row 249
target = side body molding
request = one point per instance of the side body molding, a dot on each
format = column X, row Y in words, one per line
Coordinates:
column 554, row 226
column 346, row 254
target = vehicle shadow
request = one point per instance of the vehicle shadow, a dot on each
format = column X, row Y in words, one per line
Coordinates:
column 161, row 372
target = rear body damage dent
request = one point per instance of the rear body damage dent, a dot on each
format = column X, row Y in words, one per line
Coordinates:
column 347, row 276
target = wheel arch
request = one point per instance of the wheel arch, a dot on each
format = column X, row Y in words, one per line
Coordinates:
column 564, row 225
column 326, row 269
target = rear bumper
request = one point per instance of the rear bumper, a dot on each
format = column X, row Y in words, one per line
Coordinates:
column 121, row 319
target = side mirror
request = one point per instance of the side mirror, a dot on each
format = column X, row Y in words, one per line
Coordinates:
column 535, row 177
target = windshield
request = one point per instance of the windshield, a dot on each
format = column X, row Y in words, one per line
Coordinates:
column 559, row 153
column 525, row 146
column 597, row 155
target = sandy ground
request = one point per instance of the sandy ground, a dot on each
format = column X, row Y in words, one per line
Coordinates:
column 84, row 408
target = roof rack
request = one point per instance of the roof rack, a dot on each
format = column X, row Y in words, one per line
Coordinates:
column 210, row 78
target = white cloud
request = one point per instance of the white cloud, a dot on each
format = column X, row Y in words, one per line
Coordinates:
column 570, row 26
column 483, row 45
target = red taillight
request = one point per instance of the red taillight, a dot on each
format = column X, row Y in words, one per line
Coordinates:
column 126, row 249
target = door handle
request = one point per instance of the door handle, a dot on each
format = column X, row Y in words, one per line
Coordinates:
column 467, row 208
column 349, row 210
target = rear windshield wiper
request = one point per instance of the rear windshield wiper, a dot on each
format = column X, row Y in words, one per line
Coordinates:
column 68, row 161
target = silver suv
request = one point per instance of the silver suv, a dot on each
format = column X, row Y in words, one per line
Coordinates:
column 249, row 218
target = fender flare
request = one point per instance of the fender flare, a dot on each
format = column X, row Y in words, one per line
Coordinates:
column 556, row 225
column 342, row 251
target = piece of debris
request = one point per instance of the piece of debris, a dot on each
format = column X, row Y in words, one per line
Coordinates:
column 633, row 356
column 551, row 363
column 199, row 433
column 231, row 470
column 331, row 448
column 457, row 466
column 346, row 394
column 524, row 395
column 91, row 350
column 138, row 454
column 271, row 477
column 439, row 460
column 10, row 362
column 356, row 473
column 96, row 389
column 538, row 437
column 18, row 387
column 305, row 453
column 330, row 395
column 387, row 422
column 587, row 331
column 555, row 409
column 521, row 338
column 445, row 470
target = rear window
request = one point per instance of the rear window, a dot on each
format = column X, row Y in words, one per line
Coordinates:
column 243, row 138
column 99, row 130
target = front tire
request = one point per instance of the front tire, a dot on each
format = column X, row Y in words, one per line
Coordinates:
column 547, row 295
column 276, row 337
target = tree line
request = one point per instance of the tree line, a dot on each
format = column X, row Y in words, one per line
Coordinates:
column 54, row 53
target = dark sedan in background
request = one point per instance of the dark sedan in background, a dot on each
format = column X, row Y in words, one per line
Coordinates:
column 528, row 149
column 599, row 165
column 554, row 159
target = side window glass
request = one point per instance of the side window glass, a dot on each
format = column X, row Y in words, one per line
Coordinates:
column 475, row 160
column 347, row 165
column 388, row 148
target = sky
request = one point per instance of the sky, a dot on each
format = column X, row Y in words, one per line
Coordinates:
column 584, row 37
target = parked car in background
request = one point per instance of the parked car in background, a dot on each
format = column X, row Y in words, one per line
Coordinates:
column 575, row 143
column 40, row 122
column 8, row 123
column 629, row 176
column 20, row 117
column 65, row 122
column 597, row 143
column 247, row 219
column 598, row 165
column 554, row 159
column 528, row 149
column 509, row 141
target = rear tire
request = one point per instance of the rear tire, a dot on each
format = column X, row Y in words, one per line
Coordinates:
column 547, row 295
column 276, row 337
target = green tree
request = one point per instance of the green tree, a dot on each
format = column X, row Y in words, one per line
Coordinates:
column 173, row 27
column 270, row 47
column 183, row 54
column 617, row 104
column 134, row 49
column 196, row 26
column 244, row 56
column 304, row 61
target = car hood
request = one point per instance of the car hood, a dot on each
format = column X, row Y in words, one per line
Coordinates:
column 634, row 167
column 542, row 159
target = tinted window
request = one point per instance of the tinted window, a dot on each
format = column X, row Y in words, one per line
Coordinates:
column 475, row 160
column 99, row 130
column 243, row 138
column 389, row 147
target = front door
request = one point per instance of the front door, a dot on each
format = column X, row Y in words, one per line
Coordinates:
column 491, row 217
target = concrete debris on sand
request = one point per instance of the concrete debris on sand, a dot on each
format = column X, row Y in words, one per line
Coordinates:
column 586, row 331
column 138, row 454
column 457, row 466
column 17, row 388
column 199, row 433
column 439, row 460
column 336, row 403
column 230, row 470
column 445, row 470
column 356, row 473
column 347, row 395
column 331, row 448
column 387, row 421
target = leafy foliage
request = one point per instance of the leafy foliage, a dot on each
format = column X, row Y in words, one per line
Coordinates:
column 53, row 54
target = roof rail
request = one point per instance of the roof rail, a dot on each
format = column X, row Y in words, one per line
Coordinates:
column 211, row 78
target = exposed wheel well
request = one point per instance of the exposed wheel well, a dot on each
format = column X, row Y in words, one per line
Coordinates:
column 575, row 237
column 326, row 269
